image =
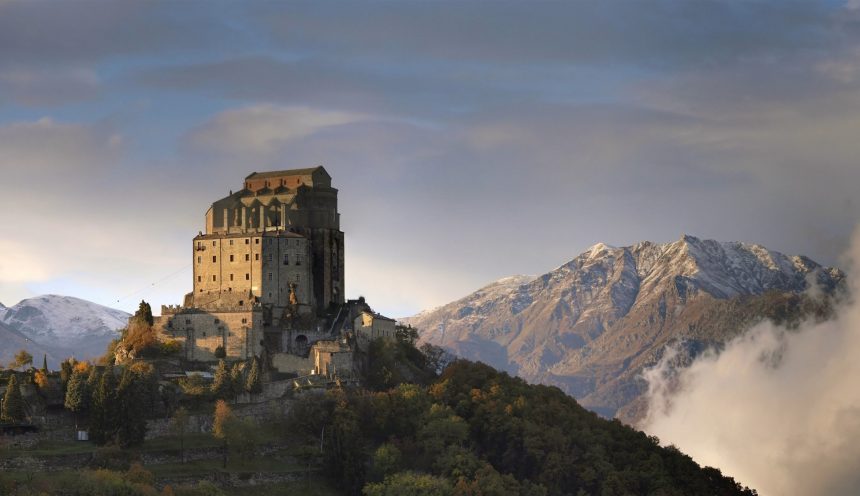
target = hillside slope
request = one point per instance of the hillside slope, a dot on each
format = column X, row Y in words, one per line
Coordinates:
column 592, row 325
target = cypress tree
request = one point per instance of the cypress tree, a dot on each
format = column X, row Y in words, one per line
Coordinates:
column 221, row 385
column 13, row 403
column 45, row 363
column 254, row 384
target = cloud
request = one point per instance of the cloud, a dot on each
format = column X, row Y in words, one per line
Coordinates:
column 653, row 33
column 47, row 155
column 778, row 410
column 90, row 31
column 39, row 87
column 264, row 129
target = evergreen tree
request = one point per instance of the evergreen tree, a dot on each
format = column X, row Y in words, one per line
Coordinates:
column 132, row 404
column 77, row 395
column 103, row 417
column 237, row 379
column 221, row 386
column 144, row 313
column 45, row 363
column 254, row 384
column 93, row 379
column 66, row 371
column 13, row 403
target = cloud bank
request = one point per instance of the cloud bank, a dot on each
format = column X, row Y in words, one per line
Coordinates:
column 778, row 410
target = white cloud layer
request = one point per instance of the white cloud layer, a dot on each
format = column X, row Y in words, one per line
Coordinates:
column 264, row 129
column 778, row 410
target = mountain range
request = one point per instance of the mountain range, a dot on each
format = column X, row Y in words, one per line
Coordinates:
column 592, row 325
column 58, row 327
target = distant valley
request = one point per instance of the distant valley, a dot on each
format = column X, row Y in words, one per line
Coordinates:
column 58, row 327
column 592, row 325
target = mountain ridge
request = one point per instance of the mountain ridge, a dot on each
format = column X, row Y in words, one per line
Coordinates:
column 592, row 324
column 62, row 326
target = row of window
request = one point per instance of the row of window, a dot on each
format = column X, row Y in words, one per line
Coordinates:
column 247, row 277
column 247, row 242
column 256, row 257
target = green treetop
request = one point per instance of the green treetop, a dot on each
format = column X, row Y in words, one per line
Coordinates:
column 13, row 403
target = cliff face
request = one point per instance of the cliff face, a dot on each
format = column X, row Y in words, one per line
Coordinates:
column 592, row 325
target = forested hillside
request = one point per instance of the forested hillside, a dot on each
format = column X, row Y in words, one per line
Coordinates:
column 478, row 431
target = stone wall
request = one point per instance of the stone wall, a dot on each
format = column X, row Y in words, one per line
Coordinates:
column 200, row 332
column 292, row 364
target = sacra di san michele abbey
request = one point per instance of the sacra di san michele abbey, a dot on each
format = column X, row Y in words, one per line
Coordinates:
column 269, row 280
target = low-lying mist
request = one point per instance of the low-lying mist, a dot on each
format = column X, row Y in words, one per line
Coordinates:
column 777, row 409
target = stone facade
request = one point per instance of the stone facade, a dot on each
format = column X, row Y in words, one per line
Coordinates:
column 369, row 326
column 268, row 281
column 332, row 358
column 267, row 268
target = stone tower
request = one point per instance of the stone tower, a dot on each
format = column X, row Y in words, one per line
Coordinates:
column 280, row 231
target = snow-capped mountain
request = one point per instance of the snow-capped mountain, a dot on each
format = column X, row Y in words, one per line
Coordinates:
column 592, row 325
column 65, row 325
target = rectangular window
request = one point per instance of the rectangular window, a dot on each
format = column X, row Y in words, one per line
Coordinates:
column 199, row 259
column 247, row 257
column 214, row 278
column 256, row 241
column 213, row 243
column 231, row 258
column 270, row 276
column 256, row 256
column 244, row 320
column 247, row 241
column 298, row 260
column 214, row 259
column 199, row 278
column 247, row 277
column 286, row 259
column 231, row 277
column 231, row 242
column 217, row 321
column 187, row 321
column 270, row 257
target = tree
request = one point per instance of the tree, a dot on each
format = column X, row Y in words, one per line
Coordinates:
column 66, row 371
column 237, row 379
column 132, row 399
column 22, row 358
column 77, row 395
column 406, row 334
column 13, row 403
column 236, row 434
column 179, row 424
column 103, row 417
column 45, row 363
column 220, row 352
column 144, row 314
column 254, row 384
column 221, row 426
column 221, row 385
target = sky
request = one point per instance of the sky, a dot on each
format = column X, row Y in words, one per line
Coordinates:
column 469, row 140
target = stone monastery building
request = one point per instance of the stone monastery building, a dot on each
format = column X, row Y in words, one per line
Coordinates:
column 269, row 279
